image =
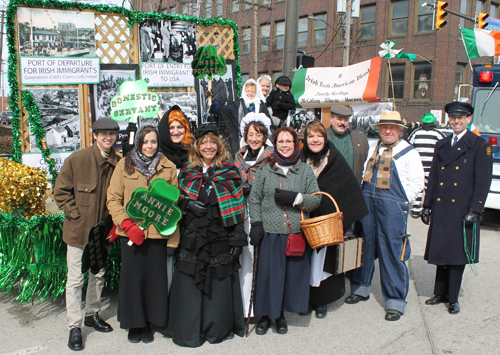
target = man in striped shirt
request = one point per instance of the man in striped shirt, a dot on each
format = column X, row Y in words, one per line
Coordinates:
column 424, row 139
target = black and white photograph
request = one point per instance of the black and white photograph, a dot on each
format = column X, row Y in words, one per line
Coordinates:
column 60, row 116
column 111, row 76
column 55, row 33
column 167, row 41
column 364, row 115
column 185, row 100
column 223, row 88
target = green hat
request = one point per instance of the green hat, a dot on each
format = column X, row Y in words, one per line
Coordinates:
column 428, row 118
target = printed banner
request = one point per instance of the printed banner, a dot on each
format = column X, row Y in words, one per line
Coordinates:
column 167, row 74
column 325, row 87
column 53, row 71
column 36, row 160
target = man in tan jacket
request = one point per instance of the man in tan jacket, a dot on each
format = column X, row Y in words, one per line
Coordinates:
column 80, row 190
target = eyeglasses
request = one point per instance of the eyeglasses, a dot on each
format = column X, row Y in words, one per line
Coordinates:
column 286, row 142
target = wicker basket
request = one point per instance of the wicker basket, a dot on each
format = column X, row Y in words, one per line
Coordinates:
column 324, row 230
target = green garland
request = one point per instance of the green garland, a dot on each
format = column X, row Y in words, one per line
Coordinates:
column 36, row 127
column 133, row 17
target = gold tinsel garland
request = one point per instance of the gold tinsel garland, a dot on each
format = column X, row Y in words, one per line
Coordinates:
column 22, row 189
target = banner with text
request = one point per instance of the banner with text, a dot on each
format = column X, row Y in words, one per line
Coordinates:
column 167, row 74
column 53, row 71
column 325, row 87
column 36, row 160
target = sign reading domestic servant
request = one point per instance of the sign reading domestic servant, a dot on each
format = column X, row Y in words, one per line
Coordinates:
column 325, row 87
column 156, row 205
column 167, row 74
column 52, row 71
column 134, row 100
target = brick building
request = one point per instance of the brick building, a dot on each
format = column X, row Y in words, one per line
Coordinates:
column 426, row 84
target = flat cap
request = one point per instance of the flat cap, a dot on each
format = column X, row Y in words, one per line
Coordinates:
column 105, row 124
column 283, row 80
column 340, row 110
column 459, row 108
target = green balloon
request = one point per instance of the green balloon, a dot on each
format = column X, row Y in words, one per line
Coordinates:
column 156, row 205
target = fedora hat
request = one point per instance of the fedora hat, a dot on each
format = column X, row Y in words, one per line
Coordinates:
column 390, row 117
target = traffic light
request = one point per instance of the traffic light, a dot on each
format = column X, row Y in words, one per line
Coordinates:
column 481, row 20
column 441, row 14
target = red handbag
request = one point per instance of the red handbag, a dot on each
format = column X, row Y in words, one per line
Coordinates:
column 296, row 243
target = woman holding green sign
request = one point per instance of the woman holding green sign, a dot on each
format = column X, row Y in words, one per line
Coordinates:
column 205, row 298
column 143, row 294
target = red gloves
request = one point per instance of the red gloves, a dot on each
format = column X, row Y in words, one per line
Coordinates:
column 134, row 233
column 112, row 236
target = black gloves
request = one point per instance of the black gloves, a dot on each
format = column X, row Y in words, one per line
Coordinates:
column 235, row 252
column 256, row 233
column 284, row 197
column 470, row 217
column 246, row 188
column 426, row 215
column 198, row 208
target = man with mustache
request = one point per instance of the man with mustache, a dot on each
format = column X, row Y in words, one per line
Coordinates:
column 352, row 144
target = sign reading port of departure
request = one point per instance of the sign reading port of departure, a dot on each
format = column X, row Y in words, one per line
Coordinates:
column 167, row 74
column 53, row 71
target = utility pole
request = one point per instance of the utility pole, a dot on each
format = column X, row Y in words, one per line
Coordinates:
column 347, row 39
column 291, row 28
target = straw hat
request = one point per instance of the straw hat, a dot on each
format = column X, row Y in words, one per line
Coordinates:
column 390, row 117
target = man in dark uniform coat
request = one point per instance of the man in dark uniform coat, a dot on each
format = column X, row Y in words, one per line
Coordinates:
column 459, row 182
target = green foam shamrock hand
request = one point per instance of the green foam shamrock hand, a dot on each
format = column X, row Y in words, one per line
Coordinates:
column 134, row 100
column 208, row 63
column 156, row 205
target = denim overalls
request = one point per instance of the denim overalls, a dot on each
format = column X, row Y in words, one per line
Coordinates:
column 384, row 229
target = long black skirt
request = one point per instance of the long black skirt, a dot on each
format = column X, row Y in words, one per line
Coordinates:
column 143, row 293
column 328, row 291
column 282, row 282
column 195, row 317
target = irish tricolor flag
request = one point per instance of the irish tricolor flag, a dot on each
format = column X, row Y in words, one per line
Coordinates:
column 481, row 43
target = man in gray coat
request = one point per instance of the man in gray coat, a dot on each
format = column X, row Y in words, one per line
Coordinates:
column 80, row 191
column 352, row 144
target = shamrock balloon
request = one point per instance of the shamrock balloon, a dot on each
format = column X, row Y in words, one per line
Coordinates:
column 208, row 63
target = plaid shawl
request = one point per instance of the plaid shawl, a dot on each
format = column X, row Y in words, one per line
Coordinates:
column 227, row 185
column 247, row 171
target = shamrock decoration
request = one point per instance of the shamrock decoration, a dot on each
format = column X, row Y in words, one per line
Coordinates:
column 134, row 100
column 388, row 51
column 156, row 205
column 208, row 63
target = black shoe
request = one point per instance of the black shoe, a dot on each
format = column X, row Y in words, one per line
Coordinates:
column 321, row 311
column 75, row 341
column 281, row 326
column 436, row 300
column 263, row 325
column 392, row 315
column 353, row 299
column 134, row 335
column 454, row 308
column 147, row 335
column 97, row 323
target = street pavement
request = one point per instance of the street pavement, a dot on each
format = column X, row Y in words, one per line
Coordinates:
column 40, row 328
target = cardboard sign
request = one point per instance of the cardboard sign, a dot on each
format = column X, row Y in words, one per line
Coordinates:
column 167, row 74
column 208, row 63
column 134, row 100
column 156, row 205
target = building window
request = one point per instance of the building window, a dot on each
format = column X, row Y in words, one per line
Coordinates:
column 218, row 8
column 367, row 22
column 398, row 81
column 246, row 6
column 421, row 81
column 459, row 80
column 302, row 29
column 464, row 9
column 245, row 40
column 235, row 7
column 425, row 16
column 265, row 38
column 319, row 29
column 279, row 36
column 185, row 9
column 480, row 6
column 208, row 9
column 266, row 2
column 494, row 10
column 399, row 18
column 244, row 78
